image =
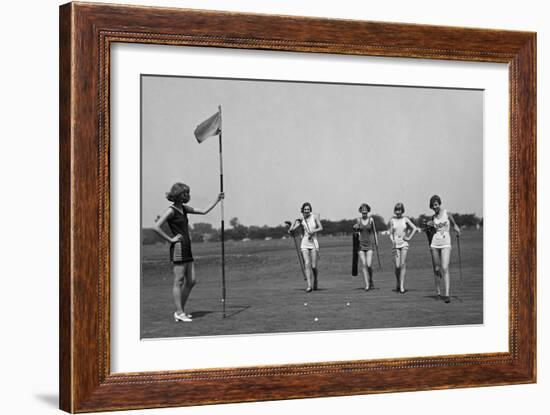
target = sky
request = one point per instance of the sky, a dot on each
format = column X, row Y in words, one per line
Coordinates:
column 333, row 145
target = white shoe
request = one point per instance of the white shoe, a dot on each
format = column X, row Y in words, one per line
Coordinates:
column 182, row 317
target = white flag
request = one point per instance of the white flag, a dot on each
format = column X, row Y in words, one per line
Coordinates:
column 211, row 126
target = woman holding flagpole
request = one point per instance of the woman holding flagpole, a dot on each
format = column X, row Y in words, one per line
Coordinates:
column 440, row 246
column 366, row 230
column 311, row 225
column 181, row 256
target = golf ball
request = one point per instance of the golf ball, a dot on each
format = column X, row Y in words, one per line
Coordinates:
column 305, row 304
column 347, row 304
column 316, row 319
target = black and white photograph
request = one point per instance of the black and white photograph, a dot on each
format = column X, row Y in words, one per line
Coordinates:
column 335, row 142
column 275, row 206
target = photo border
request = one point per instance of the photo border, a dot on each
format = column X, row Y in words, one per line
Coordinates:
column 86, row 33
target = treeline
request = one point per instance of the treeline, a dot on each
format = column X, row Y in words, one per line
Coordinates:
column 464, row 220
column 202, row 232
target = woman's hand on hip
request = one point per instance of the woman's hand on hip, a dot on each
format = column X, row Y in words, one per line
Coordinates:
column 176, row 238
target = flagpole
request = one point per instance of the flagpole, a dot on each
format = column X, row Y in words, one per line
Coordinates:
column 222, row 212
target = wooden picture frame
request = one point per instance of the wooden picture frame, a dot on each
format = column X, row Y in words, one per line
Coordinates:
column 86, row 33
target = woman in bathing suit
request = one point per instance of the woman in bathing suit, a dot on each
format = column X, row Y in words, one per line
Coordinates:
column 181, row 256
column 401, row 231
column 441, row 244
column 311, row 225
column 367, row 239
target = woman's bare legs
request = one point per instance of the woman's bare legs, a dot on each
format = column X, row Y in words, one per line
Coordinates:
column 366, row 267
column 307, row 265
column 184, row 280
column 437, row 270
column 403, row 270
column 314, row 259
column 188, row 284
column 369, row 268
column 445, row 260
column 179, row 273
column 363, row 258
column 442, row 257
column 397, row 265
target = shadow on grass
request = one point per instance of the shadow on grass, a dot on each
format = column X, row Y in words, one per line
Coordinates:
column 201, row 313
column 230, row 311
column 441, row 298
column 239, row 309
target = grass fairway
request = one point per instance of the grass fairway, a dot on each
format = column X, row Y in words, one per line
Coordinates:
column 266, row 292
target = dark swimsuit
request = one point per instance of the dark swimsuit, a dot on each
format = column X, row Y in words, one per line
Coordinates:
column 366, row 237
column 180, row 252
